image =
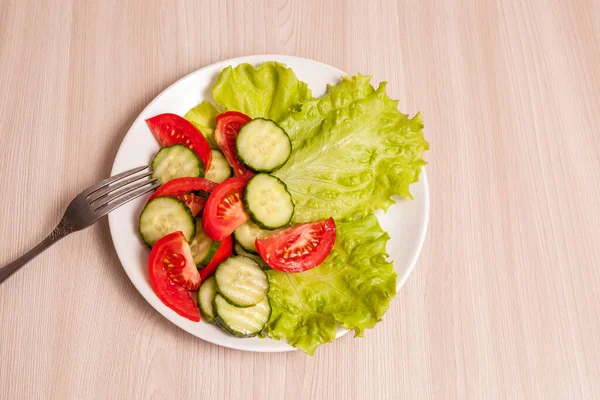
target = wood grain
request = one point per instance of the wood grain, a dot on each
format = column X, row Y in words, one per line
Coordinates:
column 504, row 302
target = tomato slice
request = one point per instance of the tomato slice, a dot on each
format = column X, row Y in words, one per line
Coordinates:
column 223, row 252
column 182, row 188
column 194, row 202
column 228, row 126
column 171, row 129
column 173, row 247
column 298, row 248
column 224, row 210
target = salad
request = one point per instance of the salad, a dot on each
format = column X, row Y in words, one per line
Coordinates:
column 264, row 222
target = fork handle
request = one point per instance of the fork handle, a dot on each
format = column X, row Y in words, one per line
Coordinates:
column 61, row 230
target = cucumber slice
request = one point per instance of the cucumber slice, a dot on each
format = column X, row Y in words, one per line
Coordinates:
column 241, row 321
column 206, row 295
column 263, row 146
column 203, row 248
column 219, row 168
column 176, row 161
column 241, row 252
column 267, row 202
column 241, row 281
column 246, row 235
column 164, row 215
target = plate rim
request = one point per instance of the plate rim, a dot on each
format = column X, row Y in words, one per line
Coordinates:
column 253, row 59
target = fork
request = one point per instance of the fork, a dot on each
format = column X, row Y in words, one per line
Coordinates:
column 88, row 207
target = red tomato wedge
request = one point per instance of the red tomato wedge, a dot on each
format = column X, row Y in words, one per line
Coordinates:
column 182, row 188
column 171, row 129
column 165, row 266
column 228, row 127
column 224, row 211
column 298, row 248
column 223, row 252
column 194, row 202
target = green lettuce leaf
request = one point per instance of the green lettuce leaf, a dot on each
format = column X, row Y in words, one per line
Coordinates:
column 352, row 151
column 307, row 123
column 271, row 90
column 353, row 288
column 203, row 118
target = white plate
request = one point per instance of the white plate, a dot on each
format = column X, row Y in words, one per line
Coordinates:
column 405, row 221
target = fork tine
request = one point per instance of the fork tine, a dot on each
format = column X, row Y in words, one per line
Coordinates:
column 106, row 208
column 112, row 179
column 111, row 196
column 97, row 195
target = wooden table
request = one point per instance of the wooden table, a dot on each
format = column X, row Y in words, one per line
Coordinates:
column 504, row 302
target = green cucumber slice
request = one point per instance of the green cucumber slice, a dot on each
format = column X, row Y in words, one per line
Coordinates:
column 164, row 215
column 267, row 202
column 246, row 235
column 238, row 321
column 203, row 248
column 176, row 161
column 263, row 146
column 241, row 281
column 241, row 252
column 206, row 295
column 219, row 168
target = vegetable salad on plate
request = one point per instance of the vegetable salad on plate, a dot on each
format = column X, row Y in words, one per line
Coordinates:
column 264, row 222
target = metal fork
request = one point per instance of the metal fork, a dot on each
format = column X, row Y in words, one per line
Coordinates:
column 88, row 207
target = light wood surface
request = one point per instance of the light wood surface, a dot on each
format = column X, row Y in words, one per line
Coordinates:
column 504, row 302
